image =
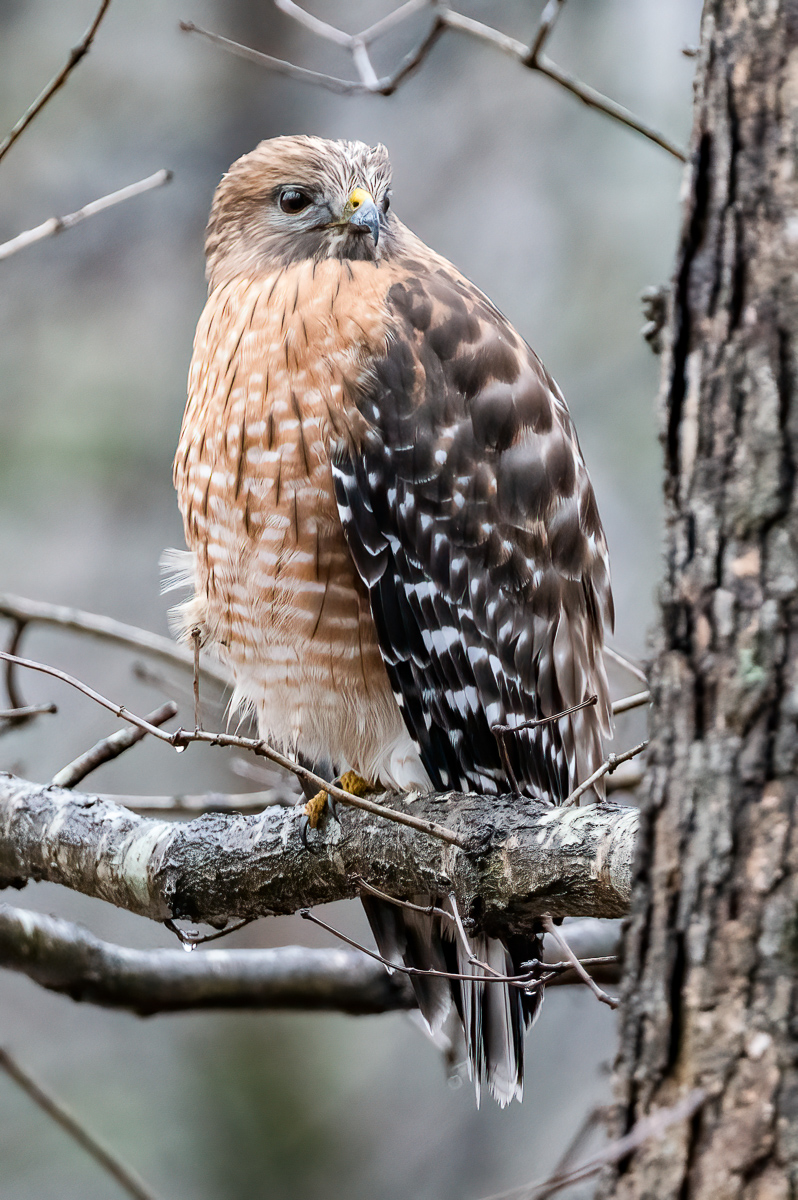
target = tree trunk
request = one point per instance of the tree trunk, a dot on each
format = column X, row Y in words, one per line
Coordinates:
column 712, row 947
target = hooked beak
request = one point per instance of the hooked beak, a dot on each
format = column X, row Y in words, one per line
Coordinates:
column 362, row 211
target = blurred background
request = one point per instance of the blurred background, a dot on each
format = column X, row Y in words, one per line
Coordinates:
column 562, row 217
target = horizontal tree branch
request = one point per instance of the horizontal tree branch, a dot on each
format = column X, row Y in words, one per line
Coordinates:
column 518, row 857
column 66, row 958
column 63, row 957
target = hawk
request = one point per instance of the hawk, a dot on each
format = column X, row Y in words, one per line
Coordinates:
column 395, row 544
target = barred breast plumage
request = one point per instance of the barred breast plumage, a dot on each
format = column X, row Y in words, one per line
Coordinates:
column 276, row 591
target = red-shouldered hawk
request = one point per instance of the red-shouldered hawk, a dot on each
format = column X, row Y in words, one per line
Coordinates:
column 395, row 541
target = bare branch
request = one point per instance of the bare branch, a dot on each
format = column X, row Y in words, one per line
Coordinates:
column 548, row 19
column 320, row 28
column 26, row 712
column 14, row 695
column 626, row 663
column 594, row 99
column 58, row 224
column 606, row 768
column 652, row 1126
column 279, row 65
column 66, row 958
column 58, row 1112
column 629, row 702
column 443, row 18
column 75, row 55
column 109, row 748
column 524, row 858
column 19, row 608
column 528, row 982
column 551, row 929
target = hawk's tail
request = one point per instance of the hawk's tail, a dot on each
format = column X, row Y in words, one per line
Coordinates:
column 494, row 1016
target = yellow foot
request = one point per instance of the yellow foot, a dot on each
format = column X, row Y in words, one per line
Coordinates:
column 352, row 783
column 315, row 807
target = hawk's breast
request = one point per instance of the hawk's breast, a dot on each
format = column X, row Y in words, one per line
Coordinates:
column 276, row 361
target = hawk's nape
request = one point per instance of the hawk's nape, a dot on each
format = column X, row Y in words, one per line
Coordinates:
column 395, row 542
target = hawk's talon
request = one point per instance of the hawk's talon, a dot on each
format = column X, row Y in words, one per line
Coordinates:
column 304, row 825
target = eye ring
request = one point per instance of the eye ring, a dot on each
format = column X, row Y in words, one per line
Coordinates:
column 293, row 201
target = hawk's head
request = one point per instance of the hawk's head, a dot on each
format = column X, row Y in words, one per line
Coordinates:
column 299, row 197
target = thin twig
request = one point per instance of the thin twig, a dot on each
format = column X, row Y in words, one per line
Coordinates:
column 645, row 1129
column 606, row 768
column 526, row 982
column 629, row 702
column 593, row 99
column 75, row 55
column 76, row 620
column 196, row 639
column 12, row 689
column 429, row 910
column 191, row 938
column 28, row 711
column 530, row 56
column 109, row 748
column 591, row 1120
column 58, row 224
column 182, row 738
column 499, row 732
column 123, row 1175
column 550, row 928
column 548, row 19
column 626, row 663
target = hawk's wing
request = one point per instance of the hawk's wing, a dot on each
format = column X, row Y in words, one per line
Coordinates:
column 470, row 516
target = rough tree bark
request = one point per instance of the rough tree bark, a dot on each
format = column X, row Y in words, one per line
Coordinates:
column 712, row 948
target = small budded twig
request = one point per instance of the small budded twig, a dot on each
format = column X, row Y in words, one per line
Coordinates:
column 109, row 748
column 550, row 928
column 57, row 1111
column 75, row 55
column 530, row 56
column 606, row 768
column 182, row 738
column 56, row 225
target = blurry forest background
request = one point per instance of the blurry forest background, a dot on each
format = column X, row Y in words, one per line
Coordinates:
column 562, row 217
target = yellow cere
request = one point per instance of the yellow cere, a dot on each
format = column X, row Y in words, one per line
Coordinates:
column 359, row 196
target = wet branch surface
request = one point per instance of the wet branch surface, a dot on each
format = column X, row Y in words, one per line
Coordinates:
column 518, row 858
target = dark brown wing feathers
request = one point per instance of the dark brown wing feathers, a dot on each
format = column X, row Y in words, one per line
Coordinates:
column 472, row 520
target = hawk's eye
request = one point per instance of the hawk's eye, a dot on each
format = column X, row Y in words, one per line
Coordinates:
column 386, row 204
column 293, row 201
